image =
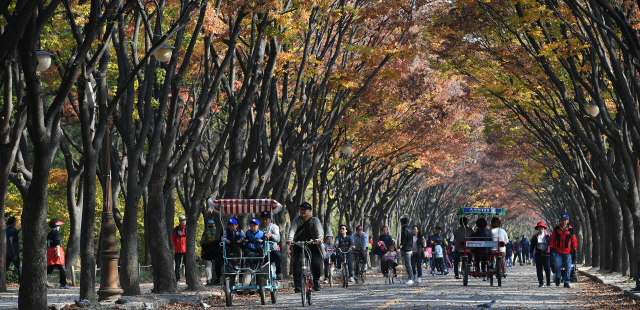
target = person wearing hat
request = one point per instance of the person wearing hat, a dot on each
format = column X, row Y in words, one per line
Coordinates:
column 55, row 253
column 254, row 240
column 360, row 246
column 179, row 238
column 304, row 227
column 232, row 238
column 541, row 249
column 208, row 254
column 563, row 241
column 272, row 233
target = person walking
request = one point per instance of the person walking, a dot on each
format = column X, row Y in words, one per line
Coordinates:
column 441, row 239
column 344, row 242
column 272, row 233
column 499, row 234
column 406, row 248
column 305, row 227
column 55, row 253
column 418, row 244
column 462, row 233
column 12, row 255
column 179, row 239
column 509, row 254
column 207, row 243
column 525, row 246
column 563, row 242
column 517, row 249
column 540, row 248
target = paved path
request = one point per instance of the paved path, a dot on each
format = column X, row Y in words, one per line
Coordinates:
column 519, row 291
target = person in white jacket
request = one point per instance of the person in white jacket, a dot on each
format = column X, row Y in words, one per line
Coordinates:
column 499, row 234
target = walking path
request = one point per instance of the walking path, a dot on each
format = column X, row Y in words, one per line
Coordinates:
column 519, row 291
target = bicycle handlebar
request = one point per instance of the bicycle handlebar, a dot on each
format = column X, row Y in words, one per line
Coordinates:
column 343, row 252
column 303, row 242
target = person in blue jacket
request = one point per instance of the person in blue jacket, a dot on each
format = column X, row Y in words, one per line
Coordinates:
column 509, row 255
column 254, row 239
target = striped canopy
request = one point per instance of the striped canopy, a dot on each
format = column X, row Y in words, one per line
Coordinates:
column 243, row 206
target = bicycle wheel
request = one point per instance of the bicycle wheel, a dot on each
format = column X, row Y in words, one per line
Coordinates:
column 227, row 292
column 303, row 290
column 499, row 271
column 330, row 276
column 363, row 273
column 263, row 298
column 357, row 271
column 465, row 271
column 345, row 274
column 274, row 296
column 309, row 298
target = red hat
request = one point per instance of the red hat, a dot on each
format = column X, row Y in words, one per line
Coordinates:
column 58, row 223
column 541, row 224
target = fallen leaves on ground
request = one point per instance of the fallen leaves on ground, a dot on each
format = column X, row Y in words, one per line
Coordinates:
column 599, row 296
column 244, row 301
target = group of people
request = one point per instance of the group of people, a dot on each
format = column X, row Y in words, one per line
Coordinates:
column 557, row 249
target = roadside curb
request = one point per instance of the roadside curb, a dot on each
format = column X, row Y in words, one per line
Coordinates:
column 615, row 280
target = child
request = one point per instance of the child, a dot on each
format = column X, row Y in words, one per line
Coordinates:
column 329, row 256
column 254, row 240
column 388, row 261
column 439, row 257
column 233, row 237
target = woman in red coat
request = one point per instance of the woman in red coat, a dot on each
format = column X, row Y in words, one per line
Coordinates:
column 55, row 253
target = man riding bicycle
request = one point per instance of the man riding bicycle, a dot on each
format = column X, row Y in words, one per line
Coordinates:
column 304, row 228
column 344, row 242
column 361, row 247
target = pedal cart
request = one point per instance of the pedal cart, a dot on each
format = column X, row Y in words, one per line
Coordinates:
column 258, row 268
column 472, row 262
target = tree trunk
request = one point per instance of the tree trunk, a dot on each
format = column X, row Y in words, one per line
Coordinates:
column 129, row 277
column 162, row 256
column 191, row 265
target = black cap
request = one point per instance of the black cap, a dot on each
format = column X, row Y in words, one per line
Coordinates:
column 266, row 214
column 305, row 205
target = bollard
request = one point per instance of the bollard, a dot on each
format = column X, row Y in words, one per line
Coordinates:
column 73, row 275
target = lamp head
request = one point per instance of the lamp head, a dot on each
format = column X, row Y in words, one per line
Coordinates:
column 592, row 108
column 44, row 60
column 163, row 54
column 345, row 148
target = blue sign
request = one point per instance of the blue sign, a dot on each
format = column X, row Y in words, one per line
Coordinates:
column 483, row 210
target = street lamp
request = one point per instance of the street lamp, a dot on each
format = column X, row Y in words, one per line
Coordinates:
column 550, row 188
column 345, row 148
column 592, row 108
column 44, row 60
column 433, row 199
column 163, row 54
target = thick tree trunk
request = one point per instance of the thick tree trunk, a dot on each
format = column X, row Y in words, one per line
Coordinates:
column 129, row 277
column 87, row 246
column 162, row 257
column 191, row 265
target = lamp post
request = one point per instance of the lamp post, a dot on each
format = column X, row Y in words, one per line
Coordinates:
column 110, row 282
column 433, row 199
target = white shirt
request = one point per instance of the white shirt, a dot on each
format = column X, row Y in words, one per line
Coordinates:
column 439, row 251
column 499, row 234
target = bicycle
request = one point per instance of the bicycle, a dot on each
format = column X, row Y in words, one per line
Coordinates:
column 390, row 274
column 345, row 267
column 307, row 276
column 360, row 272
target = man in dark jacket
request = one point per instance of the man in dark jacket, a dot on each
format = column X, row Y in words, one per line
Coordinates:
column 482, row 234
column 406, row 247
column 13, row 247
column 516, row 251
column 526, row 247
column 563, row 242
